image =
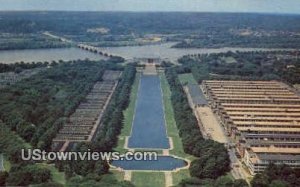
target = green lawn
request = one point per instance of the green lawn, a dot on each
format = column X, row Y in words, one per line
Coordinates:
column 148, row 179
column 187, row 78
column 129, row 112
column 178, row 176
column 119, row 175
column 173, row 131
column 170, row 120
column 128, row 115
column 6, row 164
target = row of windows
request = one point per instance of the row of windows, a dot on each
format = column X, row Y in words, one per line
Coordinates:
column 271, row 126
column 279, row 146
column 270, row 132
column 274, row 139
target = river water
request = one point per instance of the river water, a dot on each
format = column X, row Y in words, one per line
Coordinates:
column 163, row 51
column 42, row 55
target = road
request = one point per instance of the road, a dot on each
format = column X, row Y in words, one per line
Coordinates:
column 210, row 124
column 237, row 169
column 57, row 37
column 235, row 165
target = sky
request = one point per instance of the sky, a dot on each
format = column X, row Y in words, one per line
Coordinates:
column 259, row 6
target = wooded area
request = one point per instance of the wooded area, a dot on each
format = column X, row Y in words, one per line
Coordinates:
column 212, row 157
column 269, row 65
column 11, row 41
column 206, row 30
column 277, row 176
column 36, row 108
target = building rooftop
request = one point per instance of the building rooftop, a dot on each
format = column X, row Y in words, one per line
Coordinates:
column 269, row 129
column 274, row 136
column 196, row 94
column 276, row 150
column 265, row 113
column 281, row 157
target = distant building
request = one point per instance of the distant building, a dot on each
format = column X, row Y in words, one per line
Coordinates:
column 151, row 60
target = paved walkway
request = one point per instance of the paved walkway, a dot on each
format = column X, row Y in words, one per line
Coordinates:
column 211, row 125
column 168, row 179
column 150, row 69
column 127, row 175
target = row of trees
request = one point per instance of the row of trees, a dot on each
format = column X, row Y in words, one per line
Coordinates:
column 93, row 172
column 29, row 41
column 213, row 160
column 227, row 39
column 19, row 66
column 113, row 117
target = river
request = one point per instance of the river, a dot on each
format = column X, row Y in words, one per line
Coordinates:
column 165, row 51
column 42, row 55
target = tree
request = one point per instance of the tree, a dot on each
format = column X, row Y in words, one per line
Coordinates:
column 224, row 181
column 279, row 183
column 3, row 177
column 49, row 184
column 260, row 180
column 240, row 183
column 29, row 174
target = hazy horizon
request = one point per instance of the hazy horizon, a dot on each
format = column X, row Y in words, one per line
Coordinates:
column 213, row 6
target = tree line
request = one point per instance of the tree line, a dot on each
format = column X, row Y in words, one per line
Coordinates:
column 29, row 41
column 33, row 110
column 212, row 157
column 19, row 66
column 277, row 175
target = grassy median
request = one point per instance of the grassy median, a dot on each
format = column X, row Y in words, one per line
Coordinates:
column 128, row 115
column 148, row 179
